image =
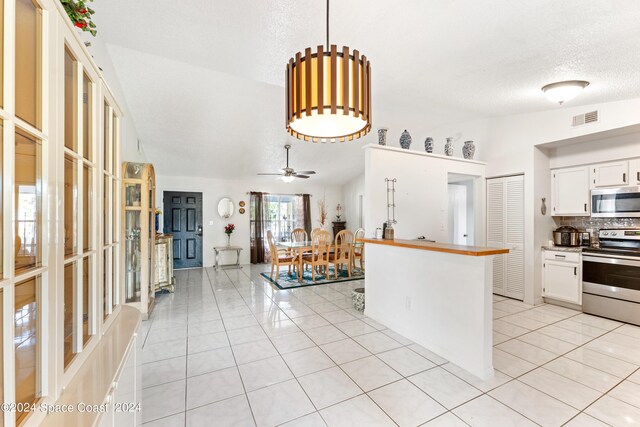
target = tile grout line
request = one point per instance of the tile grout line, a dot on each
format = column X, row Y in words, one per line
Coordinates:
column 246, row 395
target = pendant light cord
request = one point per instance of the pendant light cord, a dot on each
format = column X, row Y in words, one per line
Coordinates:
column 328, row 25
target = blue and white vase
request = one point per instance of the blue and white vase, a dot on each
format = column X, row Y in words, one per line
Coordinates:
column 405, row 140
column 428, row 145
column 448, row 147
column 382, row 136
column 468, row 150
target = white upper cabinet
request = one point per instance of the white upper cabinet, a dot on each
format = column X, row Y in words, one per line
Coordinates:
column 614, row 174
column 634, row 172
column 570, row 191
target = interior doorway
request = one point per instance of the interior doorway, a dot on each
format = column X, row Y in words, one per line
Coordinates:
column 183, row 219
column 461, row 210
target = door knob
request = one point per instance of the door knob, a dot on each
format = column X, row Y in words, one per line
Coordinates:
column 199, row 232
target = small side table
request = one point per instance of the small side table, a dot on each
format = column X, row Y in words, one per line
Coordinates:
column 219, row 249
column 338, row 226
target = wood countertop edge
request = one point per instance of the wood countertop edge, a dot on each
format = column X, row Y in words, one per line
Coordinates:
column 439, row 247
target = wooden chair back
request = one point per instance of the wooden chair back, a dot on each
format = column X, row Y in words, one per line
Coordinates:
column 314, row 231
column 320, row 246
column 299, row 235
column 358, row 245
column 272, row 244
column 321, row 235
column 343, row 245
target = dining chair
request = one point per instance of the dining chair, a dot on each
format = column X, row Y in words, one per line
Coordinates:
column 299, row 235
column 319, row 233
column 358, row 248
column 278, row 258
column 342, row 255
column 314, row 231
column 318, row 258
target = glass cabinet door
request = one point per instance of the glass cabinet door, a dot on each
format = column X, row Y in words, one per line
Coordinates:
column 133, row 195
column 133, row 259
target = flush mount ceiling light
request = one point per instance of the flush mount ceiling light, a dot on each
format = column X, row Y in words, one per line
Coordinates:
column 561, row 92
column 328, row 94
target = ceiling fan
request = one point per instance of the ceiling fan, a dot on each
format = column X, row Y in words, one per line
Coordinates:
column 288, row 173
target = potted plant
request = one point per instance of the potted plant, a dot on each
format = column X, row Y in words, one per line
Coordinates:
column 80, row 14
column 228, row 230
column 322, row 208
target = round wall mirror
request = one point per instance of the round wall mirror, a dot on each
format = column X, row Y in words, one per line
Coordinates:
column 225, row 207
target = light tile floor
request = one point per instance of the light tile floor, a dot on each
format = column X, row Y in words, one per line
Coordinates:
column 227, row 349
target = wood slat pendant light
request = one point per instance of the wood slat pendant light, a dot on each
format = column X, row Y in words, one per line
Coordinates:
column 328, row 94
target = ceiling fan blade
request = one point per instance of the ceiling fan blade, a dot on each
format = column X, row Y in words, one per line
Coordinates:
column 307, row 172
column 297, row 175
column 271, row 174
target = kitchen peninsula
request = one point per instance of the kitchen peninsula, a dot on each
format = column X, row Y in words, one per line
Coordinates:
column 436, row 294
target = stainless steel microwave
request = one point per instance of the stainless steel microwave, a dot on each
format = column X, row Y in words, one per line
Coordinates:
column 615, row 202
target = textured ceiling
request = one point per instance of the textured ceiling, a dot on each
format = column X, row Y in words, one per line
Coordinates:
column 203, row 79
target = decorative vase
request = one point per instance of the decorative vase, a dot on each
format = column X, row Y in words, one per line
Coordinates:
column 382, row 136
column 468, row 150
column 405, row 140
column 228, row 240
column 448, row 147
column 428, row 145
column 357, row 297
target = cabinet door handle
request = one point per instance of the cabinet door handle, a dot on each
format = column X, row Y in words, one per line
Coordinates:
column 624, row 177
column 575, row 271
column 638, row 175
column 561, row 256
column 585, row 207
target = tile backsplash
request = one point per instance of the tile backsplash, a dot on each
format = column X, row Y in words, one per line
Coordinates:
column 593, row 225
column 585, row 222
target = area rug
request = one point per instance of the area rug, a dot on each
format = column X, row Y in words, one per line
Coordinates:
column 289, row 281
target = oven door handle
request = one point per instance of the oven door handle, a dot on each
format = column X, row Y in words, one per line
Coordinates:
column 612, row 259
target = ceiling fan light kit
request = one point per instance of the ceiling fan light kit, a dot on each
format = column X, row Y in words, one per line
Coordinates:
column 288, row 174
column 328, row 93
column 562, row 92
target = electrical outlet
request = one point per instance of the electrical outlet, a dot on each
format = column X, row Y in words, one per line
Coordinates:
column 210, row 222
column 408, row 303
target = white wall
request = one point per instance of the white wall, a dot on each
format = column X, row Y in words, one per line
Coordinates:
column 214, row 189
column 351, row 193
column 422, row 200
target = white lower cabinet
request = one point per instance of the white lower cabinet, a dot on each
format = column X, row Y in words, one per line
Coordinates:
column 562, row 276
column 124, row 405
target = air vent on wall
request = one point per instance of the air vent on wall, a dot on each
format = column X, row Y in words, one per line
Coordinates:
column 586, row 118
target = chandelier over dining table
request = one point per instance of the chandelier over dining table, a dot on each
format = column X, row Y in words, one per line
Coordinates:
column 328, row 93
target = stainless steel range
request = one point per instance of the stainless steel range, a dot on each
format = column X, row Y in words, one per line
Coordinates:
column 611, row 276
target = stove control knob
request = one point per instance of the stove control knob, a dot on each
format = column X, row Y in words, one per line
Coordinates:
column 614, row 233
column 605, row 233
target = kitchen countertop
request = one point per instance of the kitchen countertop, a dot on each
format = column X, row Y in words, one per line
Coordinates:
column 439, row 247
column 564, row 248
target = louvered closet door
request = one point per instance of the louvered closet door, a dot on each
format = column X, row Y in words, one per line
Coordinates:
column 505, row 228
column 495, row 230
column 514, row 236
